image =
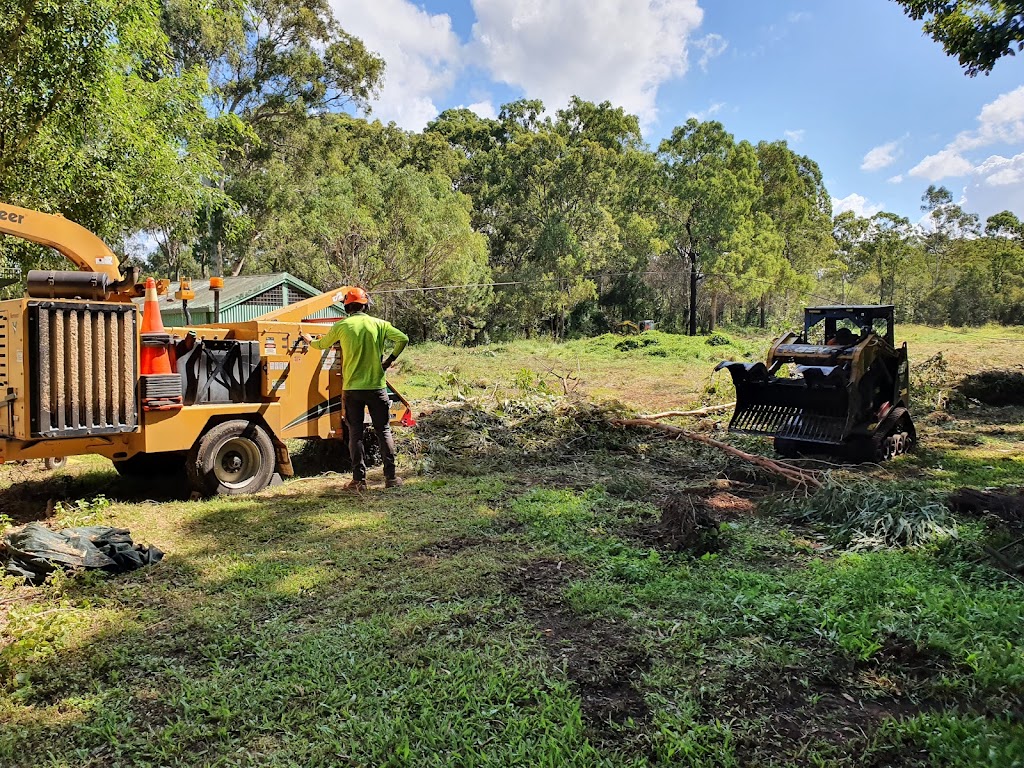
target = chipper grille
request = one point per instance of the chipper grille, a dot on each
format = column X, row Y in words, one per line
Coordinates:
column 790, row 421
column 83, row 368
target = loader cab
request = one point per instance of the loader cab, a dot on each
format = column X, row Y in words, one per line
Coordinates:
column 824, row 325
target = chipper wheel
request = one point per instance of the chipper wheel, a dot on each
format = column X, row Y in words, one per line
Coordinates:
column 233, row 458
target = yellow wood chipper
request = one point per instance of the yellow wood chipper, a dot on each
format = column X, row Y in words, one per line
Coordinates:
column 70, row 357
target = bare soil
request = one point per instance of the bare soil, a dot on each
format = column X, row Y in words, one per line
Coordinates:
column 600, row 657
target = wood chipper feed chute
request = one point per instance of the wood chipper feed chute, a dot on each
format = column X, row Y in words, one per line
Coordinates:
column 842, row 396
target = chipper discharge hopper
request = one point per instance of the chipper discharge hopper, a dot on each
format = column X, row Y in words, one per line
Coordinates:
column 841, row 387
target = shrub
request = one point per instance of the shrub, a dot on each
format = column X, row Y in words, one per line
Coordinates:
column 717, row 339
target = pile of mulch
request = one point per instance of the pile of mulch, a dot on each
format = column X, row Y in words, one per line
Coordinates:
column 476, row 434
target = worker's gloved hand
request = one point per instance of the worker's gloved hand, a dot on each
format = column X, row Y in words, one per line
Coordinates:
column 387, row 361
column 306, row 337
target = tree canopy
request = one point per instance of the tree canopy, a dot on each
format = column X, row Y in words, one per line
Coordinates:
column 977, row 32
column 224, row 136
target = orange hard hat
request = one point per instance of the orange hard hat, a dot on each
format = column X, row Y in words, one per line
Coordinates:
column 356, row 296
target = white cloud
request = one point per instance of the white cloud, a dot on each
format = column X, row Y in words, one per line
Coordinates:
column 998, row 171
column 1002, row 189
column 881, row 156
column 795, row 136
column 615, row 50
column 948, row 162
column 897, row 179
column 856, row 203
column 712, row 46
column 999, row 122
column 484, row 109
column 421, row 52
column 707, row 114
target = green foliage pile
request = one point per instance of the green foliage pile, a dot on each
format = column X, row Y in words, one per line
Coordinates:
column 994, row 387
column 932, row 383
column 710, row 349
column 863, row 514
column 474, row 438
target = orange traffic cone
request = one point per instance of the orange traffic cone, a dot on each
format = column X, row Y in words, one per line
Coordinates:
column 160, row 386
column 156, row 360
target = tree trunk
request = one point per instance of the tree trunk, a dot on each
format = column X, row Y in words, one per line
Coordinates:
column 693, row 293
column 762, row 322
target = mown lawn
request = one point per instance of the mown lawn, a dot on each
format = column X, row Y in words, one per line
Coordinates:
column 521, row 602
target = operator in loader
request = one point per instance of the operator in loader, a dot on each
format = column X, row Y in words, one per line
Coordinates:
column 362, row 340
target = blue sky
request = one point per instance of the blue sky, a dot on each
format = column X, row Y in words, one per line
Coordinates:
column 853, row 84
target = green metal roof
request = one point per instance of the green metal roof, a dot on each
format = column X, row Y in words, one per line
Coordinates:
column 237, row 290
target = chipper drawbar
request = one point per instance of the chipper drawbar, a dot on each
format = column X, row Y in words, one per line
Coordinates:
column 847, row 394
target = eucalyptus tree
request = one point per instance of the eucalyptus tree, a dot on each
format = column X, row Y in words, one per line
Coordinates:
column 977, row 32
column 849, row 259
column 95, row 122
column 710, row 183
column 888, row 247
column 272, row 65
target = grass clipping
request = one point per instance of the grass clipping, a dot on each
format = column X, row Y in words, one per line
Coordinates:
column 865, row 514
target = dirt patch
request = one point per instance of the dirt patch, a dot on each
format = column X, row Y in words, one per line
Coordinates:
column 600, row 657
column 450, row 547
column 786, row 713
column 1007, row 505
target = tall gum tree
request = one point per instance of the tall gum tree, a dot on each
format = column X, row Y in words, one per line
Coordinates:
column 272, row 65
column 710, row 183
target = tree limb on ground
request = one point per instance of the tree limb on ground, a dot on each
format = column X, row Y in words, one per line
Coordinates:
column 796, row 476
column 698, row 412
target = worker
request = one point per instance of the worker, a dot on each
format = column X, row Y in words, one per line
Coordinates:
column 844, row 338
column 362, row 340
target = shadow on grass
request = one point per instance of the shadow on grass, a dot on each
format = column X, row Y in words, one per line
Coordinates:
column 249, row 586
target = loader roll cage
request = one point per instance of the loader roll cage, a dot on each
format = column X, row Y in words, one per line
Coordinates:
column 866, row 319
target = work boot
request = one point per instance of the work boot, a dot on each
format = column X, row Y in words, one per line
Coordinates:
column 356, row 485
column 393, row 482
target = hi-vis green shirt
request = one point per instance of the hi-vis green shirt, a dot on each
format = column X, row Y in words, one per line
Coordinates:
column 362, row 340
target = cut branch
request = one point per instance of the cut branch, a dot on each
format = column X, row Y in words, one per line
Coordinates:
column 796, row 476
column 698, row 412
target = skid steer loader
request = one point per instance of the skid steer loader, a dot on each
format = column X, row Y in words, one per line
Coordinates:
column 841, row 387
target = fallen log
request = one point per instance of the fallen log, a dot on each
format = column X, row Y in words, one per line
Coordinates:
column 796, row 476
column 698, row 412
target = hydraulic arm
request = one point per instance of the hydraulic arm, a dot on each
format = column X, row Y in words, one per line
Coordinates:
column 99, row 273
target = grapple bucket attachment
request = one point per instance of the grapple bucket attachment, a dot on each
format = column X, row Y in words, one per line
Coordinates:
column 814, row 408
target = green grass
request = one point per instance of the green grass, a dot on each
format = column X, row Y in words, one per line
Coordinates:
column 520, row 611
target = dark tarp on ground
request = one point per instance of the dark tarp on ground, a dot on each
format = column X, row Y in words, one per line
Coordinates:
column 34, row 551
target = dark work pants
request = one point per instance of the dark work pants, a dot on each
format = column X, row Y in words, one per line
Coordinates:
column 379, row 404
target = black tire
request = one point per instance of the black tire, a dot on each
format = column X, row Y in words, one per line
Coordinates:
column 233, row 458
column 151, row 464
column 55, row 462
